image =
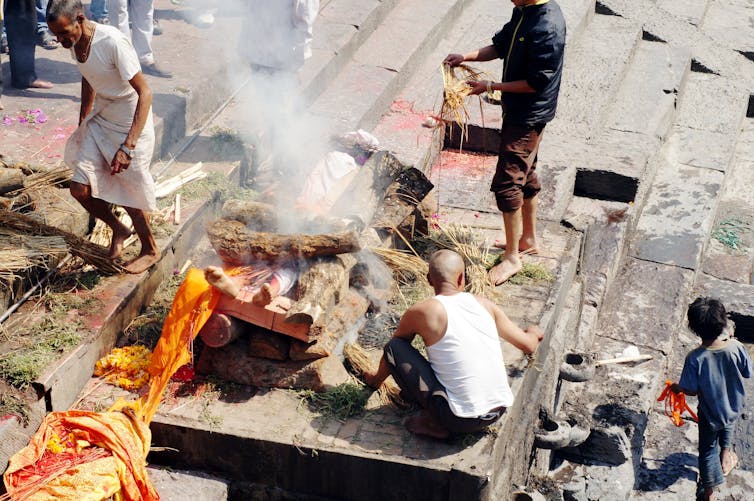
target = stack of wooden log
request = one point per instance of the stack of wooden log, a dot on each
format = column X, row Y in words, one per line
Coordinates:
column 294, row 341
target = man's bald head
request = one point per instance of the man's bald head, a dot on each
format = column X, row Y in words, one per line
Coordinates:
column 445, row 266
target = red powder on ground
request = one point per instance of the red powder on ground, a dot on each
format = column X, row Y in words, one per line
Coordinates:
column 465, row 164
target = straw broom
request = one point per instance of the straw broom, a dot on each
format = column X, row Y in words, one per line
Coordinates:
column 389, row 392
column 90, row 253
column 407, row 268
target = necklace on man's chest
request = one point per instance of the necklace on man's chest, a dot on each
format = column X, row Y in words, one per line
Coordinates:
column 85, row 53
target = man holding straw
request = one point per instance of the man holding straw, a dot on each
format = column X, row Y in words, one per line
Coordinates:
column 531, row 45
column 111, row 151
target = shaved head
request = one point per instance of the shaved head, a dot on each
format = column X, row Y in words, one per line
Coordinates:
column 445, row 266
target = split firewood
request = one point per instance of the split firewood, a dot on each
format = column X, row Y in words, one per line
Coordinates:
column 342, row 318
column 237, row 245
column 318, row 286
column 168, row 186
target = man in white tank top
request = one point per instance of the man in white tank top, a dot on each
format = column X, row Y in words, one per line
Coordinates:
column 463, row 387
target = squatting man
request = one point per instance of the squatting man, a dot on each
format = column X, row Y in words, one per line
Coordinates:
column 463, row 387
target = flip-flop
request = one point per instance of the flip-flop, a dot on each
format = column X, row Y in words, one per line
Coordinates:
column 732, row 466
column 530, row 251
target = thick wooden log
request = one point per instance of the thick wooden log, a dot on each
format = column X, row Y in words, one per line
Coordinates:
column 10, row 180
column 343, row 319
column 233, row 363
column 257, row 216
column 266, row 344
column 317, row 288
column 220, row 330
column 236, row 245
column 402, row 198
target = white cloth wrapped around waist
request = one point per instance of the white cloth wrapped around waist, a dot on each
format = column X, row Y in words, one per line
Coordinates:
column 92, row 146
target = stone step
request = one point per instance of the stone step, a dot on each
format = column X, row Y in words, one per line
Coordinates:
column 594, row 69
column 677, row 31
column 383, row 64
column 646, row 101
column 692, row 11
column 340, row 29
column 729, row 254
column 617, row 159
column 180, row 485
column 678, row 215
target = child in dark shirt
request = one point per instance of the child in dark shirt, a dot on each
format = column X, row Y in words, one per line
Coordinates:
column 714, row 372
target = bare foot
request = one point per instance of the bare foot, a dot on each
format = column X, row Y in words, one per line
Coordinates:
column 40, row 84
column 220, row 281
column 729, row 460
column 506, row 268
column 528, row 246
column 142, row 262
column 263, row 296
column 120, row 235
column 423, row 423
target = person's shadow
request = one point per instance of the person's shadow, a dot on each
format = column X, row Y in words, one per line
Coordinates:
column 667, row 472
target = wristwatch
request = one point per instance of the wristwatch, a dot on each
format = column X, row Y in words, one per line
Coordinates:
column 129, row 153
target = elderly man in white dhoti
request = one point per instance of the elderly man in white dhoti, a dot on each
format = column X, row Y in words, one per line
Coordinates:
column 111, row 150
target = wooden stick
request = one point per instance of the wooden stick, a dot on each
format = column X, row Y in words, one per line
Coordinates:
column 177, row 216
column 623, row 360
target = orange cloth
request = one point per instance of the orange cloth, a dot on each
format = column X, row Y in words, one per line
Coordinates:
column 675, row 405
column 124, row 428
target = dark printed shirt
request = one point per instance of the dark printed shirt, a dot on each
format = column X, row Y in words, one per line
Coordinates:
column 717, row 375
column 531, row 45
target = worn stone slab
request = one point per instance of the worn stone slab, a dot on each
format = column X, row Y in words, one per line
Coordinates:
column 722, row 260
column 593, row 70
column 180, row 485
column 677, row 31
column 736, row 297
column 691, row 11
column 647, row 97
column 14, row 435
column 678, row 216
column 714, row 103
column 703, row 148
column 729, row 23
column 642, row 290
column 384, row 63
column 613, row 165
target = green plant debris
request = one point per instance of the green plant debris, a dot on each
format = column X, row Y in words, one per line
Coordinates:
column 146, row 328
column 207, row 417
column 21, row 367
column 11, row 405
column 730, row 232
column 37, row 344
column 418, row 343
column 343, row 401
column 532, row 273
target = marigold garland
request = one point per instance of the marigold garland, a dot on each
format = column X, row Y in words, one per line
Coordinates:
column 125, row 367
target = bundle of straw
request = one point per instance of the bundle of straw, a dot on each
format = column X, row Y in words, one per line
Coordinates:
column 407, row 268
column 90, row 253
column 464, row 241
column 54, row 177
column 456, row 89
column 362, row 362
column 19, row 252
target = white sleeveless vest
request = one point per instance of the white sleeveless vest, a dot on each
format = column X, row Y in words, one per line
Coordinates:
column 468, row 359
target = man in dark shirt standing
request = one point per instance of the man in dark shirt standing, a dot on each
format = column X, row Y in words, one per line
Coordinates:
column 531, row 45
